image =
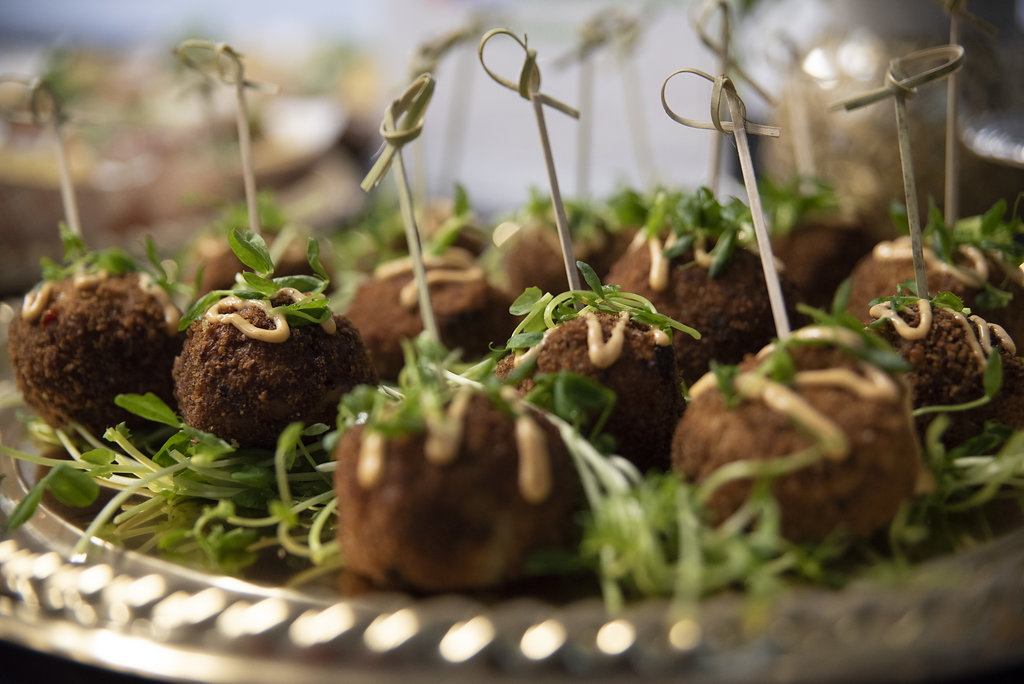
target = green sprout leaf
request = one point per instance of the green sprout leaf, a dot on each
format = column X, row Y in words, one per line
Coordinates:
column 148, row 406
column 71, row 486
column 251, row 250
column 313, row 257
column 993, row 377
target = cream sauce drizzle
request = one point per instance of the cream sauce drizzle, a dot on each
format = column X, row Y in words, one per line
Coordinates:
column 873, row 384
column 279, row 333
column 171, row 313
column 534, row 464
column 900, row 249
column 408, row 296
column 978, row 336
column 904, row 329
column 83, row 280
column 783, row 400
column 281, row 330
column 601, row 353
column 660, row 266
column 444, row 435
column 370, row 467
column 36, row 301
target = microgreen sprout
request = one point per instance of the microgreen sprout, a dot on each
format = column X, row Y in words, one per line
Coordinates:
column 188, row 494
column 544, row 311
column 250, row 248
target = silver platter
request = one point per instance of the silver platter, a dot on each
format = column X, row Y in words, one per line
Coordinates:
column 129, row 612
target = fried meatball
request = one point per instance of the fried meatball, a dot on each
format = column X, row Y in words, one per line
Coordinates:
column 463, row 524
column 819, row 256
column 858, row 489
column 92, row 339
column 889, row 264
column 731, row 311
column 948, row 367
column 470, row 313
column 644, row 378
column 533, row 258
column 246, row 390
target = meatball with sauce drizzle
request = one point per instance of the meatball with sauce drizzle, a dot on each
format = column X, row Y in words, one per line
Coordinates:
column 459, row 504
column 844, row 423
column 77, row 343
column 244, row 373
column 632, row 359
column 948, row 352
column 470, row 313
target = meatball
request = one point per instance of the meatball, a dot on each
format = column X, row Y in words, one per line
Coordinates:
column 889, row 264
column 731, row 311
column 948, row 356
column 819, row 256
column 465, row 519
column 533, row 257
column 643, row 376
column 247, row 390
column 868, row 452
column 470, row 313
column 78, row 343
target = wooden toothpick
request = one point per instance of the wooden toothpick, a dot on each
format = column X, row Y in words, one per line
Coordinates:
column 403, row 123
column 905, row 75
column 222, row 61
column 41, row 107
column 740, row 127
column 725, row 65
column 528, row 87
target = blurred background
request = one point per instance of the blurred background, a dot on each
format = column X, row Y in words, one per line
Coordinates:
column 150, row 154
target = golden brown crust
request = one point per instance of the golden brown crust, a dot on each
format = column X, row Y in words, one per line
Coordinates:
column 873, row 278
column 731, row 312
column 946, row 372
column 470, row 315
column 247, row 391
column 90, row 344
column 858, row 493
column 462, row 525
column 644, row 379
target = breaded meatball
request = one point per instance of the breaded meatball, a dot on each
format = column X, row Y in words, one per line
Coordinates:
column 731, row 311
column 889, row 264
column 87, row 339
column 464, row 523
column 643, row 376
column 246, row 390
column 470, row 313
column 857, row 489
column 948, row 367
column 819, row 256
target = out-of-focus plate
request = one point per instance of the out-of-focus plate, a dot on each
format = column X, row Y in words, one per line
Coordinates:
column 134, row 613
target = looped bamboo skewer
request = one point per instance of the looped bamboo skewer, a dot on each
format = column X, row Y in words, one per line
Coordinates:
column 528, row 88
column 904, row 76
column 403, row 123
column 723, row 88
column 226, row 66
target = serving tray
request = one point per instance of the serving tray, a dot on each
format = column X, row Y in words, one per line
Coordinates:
column 130, row 612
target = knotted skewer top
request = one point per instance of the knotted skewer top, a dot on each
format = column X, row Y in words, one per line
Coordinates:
column 909, row 72
column 402, row 123
column 721, row 85
column 528, row 85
